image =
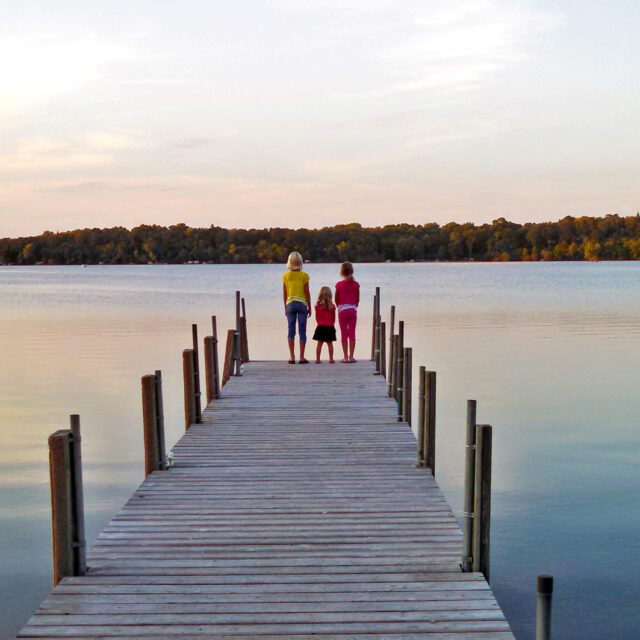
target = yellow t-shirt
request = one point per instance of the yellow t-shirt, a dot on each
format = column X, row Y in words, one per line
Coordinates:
column 295, row 282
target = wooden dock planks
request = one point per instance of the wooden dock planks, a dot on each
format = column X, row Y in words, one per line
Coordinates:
column 293, row 511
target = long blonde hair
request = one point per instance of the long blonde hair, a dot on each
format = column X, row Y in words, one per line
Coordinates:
column 325, row 298
column 294, row 263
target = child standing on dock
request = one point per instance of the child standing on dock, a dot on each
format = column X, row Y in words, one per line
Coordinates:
column 297, row 304
column 347, row 299
column 326, row 318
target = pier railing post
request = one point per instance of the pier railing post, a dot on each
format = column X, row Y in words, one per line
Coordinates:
column 208, row 368
column 196, row 373
column 469, row 473
column 392, row 366
column 383, row 349
column 400, row 368
column 189, row 392
column 237, row 340
column 149, row 422
column 79, row 542
column 245, row 337
column 482, row 501
column 373, row 329
column 229, row 357
column 392, row 328
column 422, row 376
column 153, row 424
column 376, row 331
column 429, row 454
column 407, row 376
column 162, row 451
column 215, row 361
column 67, row 505
column 543, row 610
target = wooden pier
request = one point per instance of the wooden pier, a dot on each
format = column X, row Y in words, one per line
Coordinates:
column 294, row 510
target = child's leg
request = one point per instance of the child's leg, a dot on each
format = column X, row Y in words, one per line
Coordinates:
column 343, row 319
column 291, row 322
column 318, row 351
column 302, row 328
column 330, row 347
column 351, row 332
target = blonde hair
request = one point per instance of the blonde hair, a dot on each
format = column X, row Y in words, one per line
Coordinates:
column 346, row 270
column 294, row 263
column 325, row 298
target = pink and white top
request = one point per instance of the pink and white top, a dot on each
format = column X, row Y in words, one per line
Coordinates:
column 347, row 294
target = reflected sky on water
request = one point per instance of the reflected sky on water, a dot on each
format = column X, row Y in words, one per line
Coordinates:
column 549, row 351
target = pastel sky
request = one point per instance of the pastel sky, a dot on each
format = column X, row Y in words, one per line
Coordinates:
column 316, row 112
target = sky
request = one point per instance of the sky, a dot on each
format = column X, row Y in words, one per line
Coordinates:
column 306, row 113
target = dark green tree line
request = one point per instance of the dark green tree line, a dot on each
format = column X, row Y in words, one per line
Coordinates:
column 611, row 237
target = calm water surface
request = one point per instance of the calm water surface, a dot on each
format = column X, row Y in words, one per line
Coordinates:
column 550, row 352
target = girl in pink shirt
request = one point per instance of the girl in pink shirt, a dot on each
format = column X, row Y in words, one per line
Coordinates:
column 326, row 319
column 347, row 299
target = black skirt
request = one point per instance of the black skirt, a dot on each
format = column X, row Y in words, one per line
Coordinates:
column 324, row 333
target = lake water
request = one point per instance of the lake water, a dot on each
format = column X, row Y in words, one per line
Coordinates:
column 549, row 351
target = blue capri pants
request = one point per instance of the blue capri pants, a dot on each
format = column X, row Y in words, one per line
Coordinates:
column 297, row 310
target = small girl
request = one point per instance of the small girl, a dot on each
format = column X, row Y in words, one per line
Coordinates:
column 347, row 299
column 326, row 319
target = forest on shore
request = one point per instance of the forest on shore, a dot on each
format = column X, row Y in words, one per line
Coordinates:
column 610, row 237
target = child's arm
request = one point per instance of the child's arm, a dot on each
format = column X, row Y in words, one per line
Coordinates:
column 308, row 296
column 284, row 296
column 357, row 296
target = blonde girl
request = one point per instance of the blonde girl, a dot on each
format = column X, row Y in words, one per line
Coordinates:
column 297, row 304
column 326, row 319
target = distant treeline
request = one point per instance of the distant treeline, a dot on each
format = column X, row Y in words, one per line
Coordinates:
column 608, row 238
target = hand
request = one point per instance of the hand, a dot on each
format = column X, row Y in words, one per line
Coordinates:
column 308, row 312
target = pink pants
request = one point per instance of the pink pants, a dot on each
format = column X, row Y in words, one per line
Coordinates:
column 347, row 319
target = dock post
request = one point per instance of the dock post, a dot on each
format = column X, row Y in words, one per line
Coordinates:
column 215, row 362
column 208, row 367
column 162, row 451
column 482, row 501
column 245, row 337
column 400, row 362
column 229, row 357
column 383, row 349
column 237, row 341
column 393, row 365
column 373, row 330
column 469, row 472
column 149, row 424
column 392, row 328
column 196, row 374
column 79, row 543
column 67, row 508
column 407, row 376
column 543, row 610
column 422, row 412
column 155, row 457
column 430, row 424
column 376, row 331
column 189, row 395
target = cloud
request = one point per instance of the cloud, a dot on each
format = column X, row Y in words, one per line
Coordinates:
column 424, row 46
column 35, row 68
column 39, row 153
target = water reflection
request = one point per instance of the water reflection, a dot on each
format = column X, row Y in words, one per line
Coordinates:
column 548, row 350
